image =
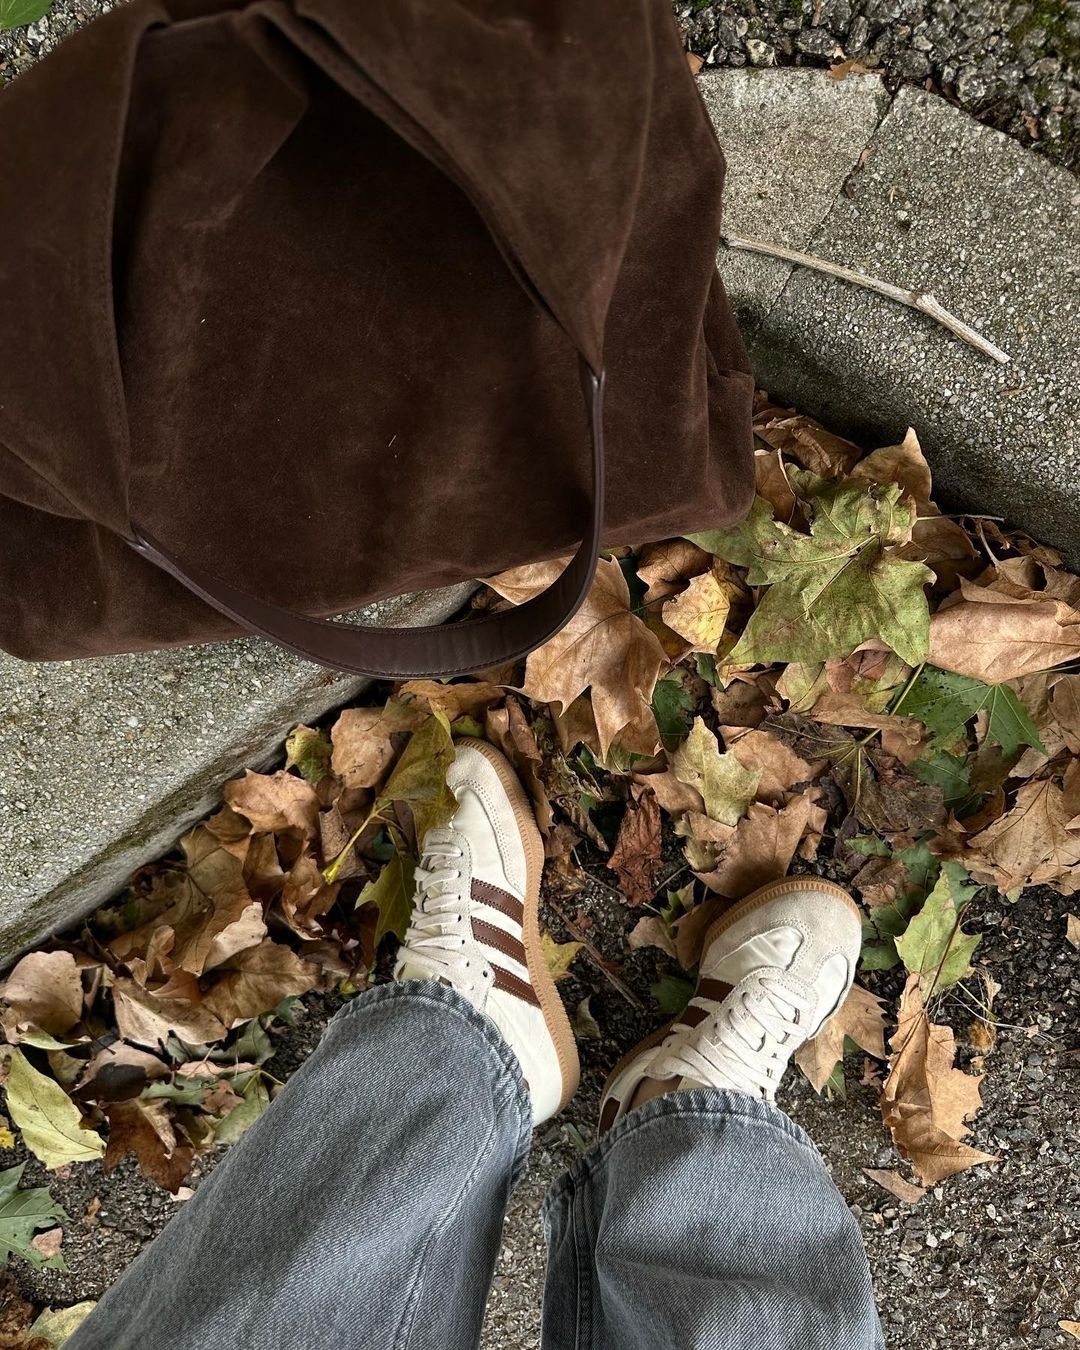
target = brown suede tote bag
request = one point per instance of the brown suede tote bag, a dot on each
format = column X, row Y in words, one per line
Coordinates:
column 298, row 301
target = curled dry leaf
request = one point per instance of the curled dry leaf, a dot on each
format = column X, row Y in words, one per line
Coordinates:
column 926, row 1099
column 364, row 746
column 605, row 648
column 862, row 1017
column 145, row 1128
column 256, row 981
column 896, row 1185
column 637, row 848
column 466, row 698
column 667, row 566
column 996, row 637
column 277, row 802
column 508, row 728
column 146, row 1018
column 1032, row 842
column 43, row 993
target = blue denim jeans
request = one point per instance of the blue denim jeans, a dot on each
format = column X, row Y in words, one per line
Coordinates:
column 364, row 1210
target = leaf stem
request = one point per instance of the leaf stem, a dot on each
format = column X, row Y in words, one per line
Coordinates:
column 333, row 869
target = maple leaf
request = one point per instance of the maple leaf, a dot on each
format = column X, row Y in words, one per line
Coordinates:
column 44, row 993
column 637, row 848
column 466, row 698
column 392, row 895
column 666, row 566
column 50, row 1122
column 762, row 846
column 671, row 705
column 419, row 776
column 365, row 740
column 507, row 728
column 148, row 1018
column 925, row 1098
column 778, row 767
column 860, row 1017
column 945, row 702
column 604, row 648
column 934, row 947
column 698, row 613
column 1031, row 842
column 21, row 1213
column 836, row 587
column 255, row 981
column 144, row 1127
column 726, row 786
column 275, row 802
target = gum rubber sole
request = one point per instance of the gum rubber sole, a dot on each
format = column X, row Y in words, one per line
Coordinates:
column 551, row 1004
column 775, row 890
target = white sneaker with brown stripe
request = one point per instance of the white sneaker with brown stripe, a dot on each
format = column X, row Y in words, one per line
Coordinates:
column 475, row 922
column 773, row 971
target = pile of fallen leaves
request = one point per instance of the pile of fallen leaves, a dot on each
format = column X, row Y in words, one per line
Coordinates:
column 848, row 676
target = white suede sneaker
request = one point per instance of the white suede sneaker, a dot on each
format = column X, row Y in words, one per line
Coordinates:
column 475, row 922
column 773, row 970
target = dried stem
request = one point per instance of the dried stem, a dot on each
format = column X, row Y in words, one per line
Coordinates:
column 595, row 957
column 923, row 301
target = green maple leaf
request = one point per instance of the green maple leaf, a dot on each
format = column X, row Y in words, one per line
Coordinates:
column 934, row 947
column 392, row 894
column 726, row 787
column 21, row 1214
column 419, row 776
column 671, row 704
column 831, row 589
column 945, row 703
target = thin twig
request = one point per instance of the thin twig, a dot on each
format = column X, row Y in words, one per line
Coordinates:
column 923, row 301
column 597, row 960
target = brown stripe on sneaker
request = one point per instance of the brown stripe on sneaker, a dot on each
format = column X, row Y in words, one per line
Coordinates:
column 510, row 984
column 484, row 893
column 693, row 1016
column 716, row 990
column 491, row 936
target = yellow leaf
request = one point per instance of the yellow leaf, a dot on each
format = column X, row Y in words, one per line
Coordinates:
column 726, row 786
column 1072, row 1328
column 50, row 1122
column 558, row 955
column 700, row 612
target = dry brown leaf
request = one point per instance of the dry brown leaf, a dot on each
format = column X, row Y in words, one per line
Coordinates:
column 604, row 647
column 508, row 728
column 275, row 802
column 946, row 548
column 637, row 849
column 801, row 438
column 674, row 796
column 1064, row 705
column 763, row 846
column 48, row 1243
column 44, row 993
column 364, row 740
column 145, row 1129
column 926, row 1099
column 467, row 698
column 773, row 484
column 119, row 1071
column 781, row 768
column 667, row 566
column 305, row 897
column 742, row 704
column 895, row 1184
column 861, row 1017
column 146, row 1018
column 255, row 981
column 1072, row 930
column 1073, row 1328
column 651, row 932
column 694, row 61
column 904, row 464
column 1030, row 843
column 690, row 930
column 996, row 638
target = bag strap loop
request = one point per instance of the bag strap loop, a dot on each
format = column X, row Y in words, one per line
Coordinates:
column 482, row 643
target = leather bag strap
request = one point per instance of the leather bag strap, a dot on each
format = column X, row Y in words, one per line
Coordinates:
column 482, row 643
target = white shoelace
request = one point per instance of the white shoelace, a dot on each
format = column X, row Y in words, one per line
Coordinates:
column 720, row 1053
column 436, row 942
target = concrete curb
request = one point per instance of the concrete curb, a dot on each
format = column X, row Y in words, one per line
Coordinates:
column 917, row 193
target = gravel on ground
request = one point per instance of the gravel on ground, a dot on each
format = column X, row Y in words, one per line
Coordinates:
column 1013, row 64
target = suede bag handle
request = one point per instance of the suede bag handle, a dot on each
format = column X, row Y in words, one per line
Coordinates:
column 460, row 648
